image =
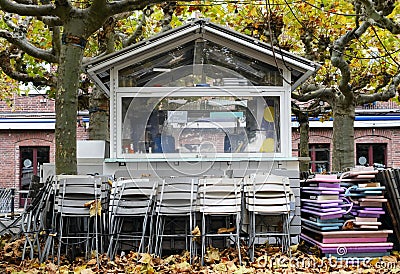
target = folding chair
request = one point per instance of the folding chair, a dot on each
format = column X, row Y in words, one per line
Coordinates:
column 268, row 195
column 78, row 231
column 106, row 183
column 131, row 208
column 34, row 220
column 176, row 213
column 220, row 200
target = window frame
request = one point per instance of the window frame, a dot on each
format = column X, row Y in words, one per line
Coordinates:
column 160, row 92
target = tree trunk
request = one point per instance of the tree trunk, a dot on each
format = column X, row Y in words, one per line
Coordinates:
column 66, row 108
column 99, row 116
column 304, row 140
column 343, row 136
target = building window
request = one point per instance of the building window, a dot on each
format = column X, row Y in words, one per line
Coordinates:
column 371, row 154
column 200, row 124
column 319, row 154
column 30, row 160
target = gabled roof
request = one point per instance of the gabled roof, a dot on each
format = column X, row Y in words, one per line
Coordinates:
column 251, row 55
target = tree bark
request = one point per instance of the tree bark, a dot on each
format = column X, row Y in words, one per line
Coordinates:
column 343, row 136
column 304, row 139
column 66, row 108
column 99, row 116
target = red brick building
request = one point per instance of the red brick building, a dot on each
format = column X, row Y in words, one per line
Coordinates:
column 27, row 138
column 376, row 134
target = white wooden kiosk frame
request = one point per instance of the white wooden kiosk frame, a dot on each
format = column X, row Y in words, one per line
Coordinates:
column 208, row 63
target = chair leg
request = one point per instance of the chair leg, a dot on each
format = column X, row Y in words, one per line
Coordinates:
column 142, row 239
column 150, row 244
column 238, row 237
column 60, row 240
column 117, row 226
column 252, row 234
column 159, row 231
column 203, row 238
column 192, row 242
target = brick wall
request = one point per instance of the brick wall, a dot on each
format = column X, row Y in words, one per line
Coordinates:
column 12, row 139
column 388, row 136
column 27, row 104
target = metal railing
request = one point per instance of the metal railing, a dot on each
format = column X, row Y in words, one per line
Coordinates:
column 7, row 196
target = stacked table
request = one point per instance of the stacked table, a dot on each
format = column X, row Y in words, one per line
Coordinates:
column 348, row 226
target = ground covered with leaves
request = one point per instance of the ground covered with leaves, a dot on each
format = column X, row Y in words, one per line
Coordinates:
column 268, row 260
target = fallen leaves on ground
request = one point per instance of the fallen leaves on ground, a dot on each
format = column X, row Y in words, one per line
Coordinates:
column 268, row 260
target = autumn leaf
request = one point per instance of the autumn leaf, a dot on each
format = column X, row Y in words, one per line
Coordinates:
column 374, row 261
column 224, row 230
column 146, row 258
column 51, row 268
column 260, row 262
column 196, row 233
column 212, row 255
column 79, row 269
column 92, row 261
column 95, row 207
column 87, row 271
column 183, row 267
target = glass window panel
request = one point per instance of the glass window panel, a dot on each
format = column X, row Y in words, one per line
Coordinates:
column 201, row 124
column 379, row 152
column 319, row 154
column 201, row 53
column 362, row 152
column 374, row 154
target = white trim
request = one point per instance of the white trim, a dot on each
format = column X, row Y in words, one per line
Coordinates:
column 113, row 116
column 28, row 123
column 357, row 124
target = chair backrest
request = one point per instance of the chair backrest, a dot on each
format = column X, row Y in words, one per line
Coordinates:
column 268, row 193
column 133, row 196
column 177, row 195
column 74, row 191
column 220, row 195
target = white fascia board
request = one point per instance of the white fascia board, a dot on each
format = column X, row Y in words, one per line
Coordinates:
column 357, row 124
column 24, row 124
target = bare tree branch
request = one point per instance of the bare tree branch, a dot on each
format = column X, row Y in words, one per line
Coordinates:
column 56, row 42
column 51, row 21
column 136, row 34
column 8, row 69
column 339, row 61
column 324, row 94
column 379, row 17
column 27, row 47
column 27, row 9
column 125, row 5
column 168, row 10
column 381, row 96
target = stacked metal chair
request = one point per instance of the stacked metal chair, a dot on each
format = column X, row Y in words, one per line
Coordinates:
column 78, row 228
column 220, row 200
column 176, row 214
column 132, row 204
column 268, row 195
column 35, row 222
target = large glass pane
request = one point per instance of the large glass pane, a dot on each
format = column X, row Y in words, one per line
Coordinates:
column 200, row 124
column 200, row 53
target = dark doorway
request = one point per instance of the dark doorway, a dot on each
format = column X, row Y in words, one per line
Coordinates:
column 30, row 160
